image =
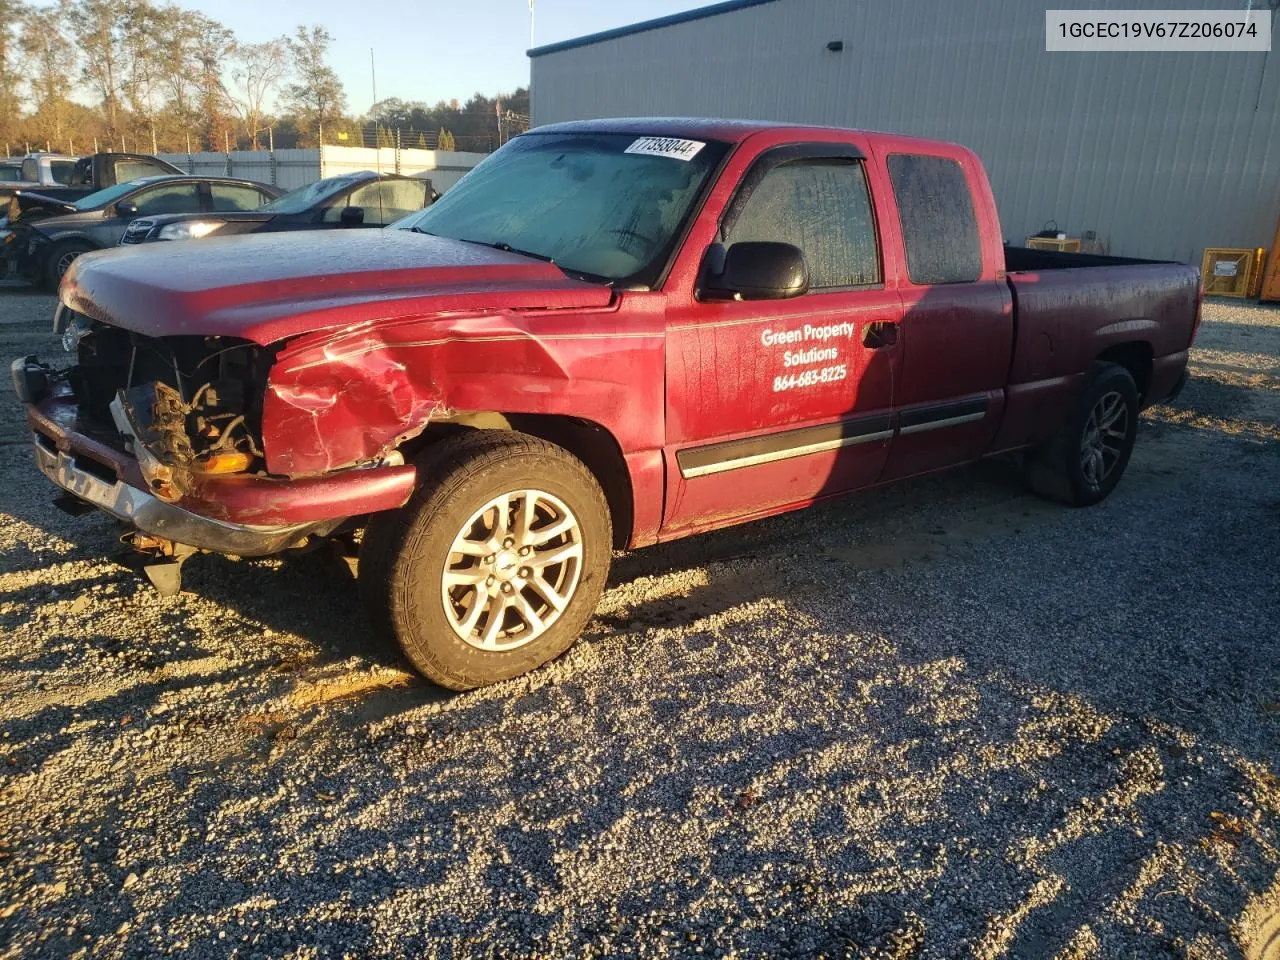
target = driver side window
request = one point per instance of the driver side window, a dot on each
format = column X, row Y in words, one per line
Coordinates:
column 822, row 207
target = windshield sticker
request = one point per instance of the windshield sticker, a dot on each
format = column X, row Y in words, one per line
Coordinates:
column 684, row 150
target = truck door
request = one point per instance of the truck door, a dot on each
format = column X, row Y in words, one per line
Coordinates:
column 773, row 403
column 957, row 325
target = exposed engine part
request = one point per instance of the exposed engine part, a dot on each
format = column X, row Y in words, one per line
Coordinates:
column 192, row 397
column 191, row 433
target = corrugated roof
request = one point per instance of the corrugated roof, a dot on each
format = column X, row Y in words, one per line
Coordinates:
column 702, row 12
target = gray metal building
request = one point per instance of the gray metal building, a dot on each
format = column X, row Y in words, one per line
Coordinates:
column 1158, row 154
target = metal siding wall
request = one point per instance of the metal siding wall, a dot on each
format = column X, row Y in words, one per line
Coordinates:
column 294, row 168
column 1160, row 154
column 299, row 167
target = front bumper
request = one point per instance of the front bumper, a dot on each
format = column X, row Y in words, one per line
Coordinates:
column 247, row 516
column 142, row 511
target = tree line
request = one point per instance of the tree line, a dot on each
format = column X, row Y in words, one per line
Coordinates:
column 163, row 78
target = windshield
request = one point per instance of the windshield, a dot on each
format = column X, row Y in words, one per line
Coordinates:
column 607, row 205
column 304, row 198
column 104, row 196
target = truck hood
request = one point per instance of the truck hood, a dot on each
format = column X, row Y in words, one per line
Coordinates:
column 268, row 287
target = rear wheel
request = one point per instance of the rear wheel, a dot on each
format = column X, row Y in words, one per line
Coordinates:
column 1084, row 461
column 496, row 564
column 59, row 261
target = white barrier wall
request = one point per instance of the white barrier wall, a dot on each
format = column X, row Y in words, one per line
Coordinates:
column 288, row 169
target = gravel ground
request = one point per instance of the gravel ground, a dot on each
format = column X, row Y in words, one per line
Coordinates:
column 944, row 719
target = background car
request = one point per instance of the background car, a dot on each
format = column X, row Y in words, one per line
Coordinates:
column 48, row 234
column 364, row 199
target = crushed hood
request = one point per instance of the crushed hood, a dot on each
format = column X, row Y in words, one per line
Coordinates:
column 27, row 205
column 272, row 286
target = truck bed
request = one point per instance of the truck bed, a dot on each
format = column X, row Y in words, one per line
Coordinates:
column 1070, row 308
column 1019, row 259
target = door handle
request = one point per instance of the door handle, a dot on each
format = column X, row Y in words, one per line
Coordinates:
column 880, row 335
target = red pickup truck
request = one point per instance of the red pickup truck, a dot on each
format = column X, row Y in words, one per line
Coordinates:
column 608, row 335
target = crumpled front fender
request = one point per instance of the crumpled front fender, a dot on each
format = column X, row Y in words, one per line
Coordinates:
column 332, row 402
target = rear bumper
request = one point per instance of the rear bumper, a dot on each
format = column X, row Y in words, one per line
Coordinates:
column 1168, row 377
column 243, row 515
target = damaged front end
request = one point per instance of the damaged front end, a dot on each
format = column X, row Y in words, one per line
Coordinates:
column 178, row 443
column 164, row 434
column 187, row 407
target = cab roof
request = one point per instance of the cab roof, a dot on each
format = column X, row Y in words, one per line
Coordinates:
column 736, row 131
column 726, row 131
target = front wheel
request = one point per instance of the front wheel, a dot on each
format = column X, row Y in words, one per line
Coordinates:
column 59, row 262
column 496, row 564
column 1082, row 463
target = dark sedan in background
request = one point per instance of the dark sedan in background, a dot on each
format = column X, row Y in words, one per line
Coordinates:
column 46, row 235
column 364, row 199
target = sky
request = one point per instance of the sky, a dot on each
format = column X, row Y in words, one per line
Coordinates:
column 433, row 49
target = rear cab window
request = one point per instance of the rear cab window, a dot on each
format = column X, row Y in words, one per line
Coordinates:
column 136, row 168
column 939, row 225
column 62, row 170
column 817, row 203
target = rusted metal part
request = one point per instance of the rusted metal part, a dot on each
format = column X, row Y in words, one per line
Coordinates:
column 157, row 425
column 164, row 480
column 153, row 545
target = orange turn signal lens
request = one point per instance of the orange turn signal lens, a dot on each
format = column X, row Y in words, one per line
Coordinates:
column 228, row 461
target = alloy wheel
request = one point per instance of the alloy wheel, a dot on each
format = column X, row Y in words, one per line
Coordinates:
column 65, row 261
column 1102, row 444
column 512, row 570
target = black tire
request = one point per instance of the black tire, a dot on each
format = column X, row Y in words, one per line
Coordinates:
column 59, row 259
column 405, row 554
column 1060, row 470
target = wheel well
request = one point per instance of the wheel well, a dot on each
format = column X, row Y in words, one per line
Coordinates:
column 1136, row 357
column 589, row 442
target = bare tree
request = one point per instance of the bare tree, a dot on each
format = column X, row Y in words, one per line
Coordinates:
column 214, row 45
column 12, row 12
column 317, row 97
column 49, row 59
column 99, row 30
column 175, row 43
column 142, row 81
column 257, row 72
